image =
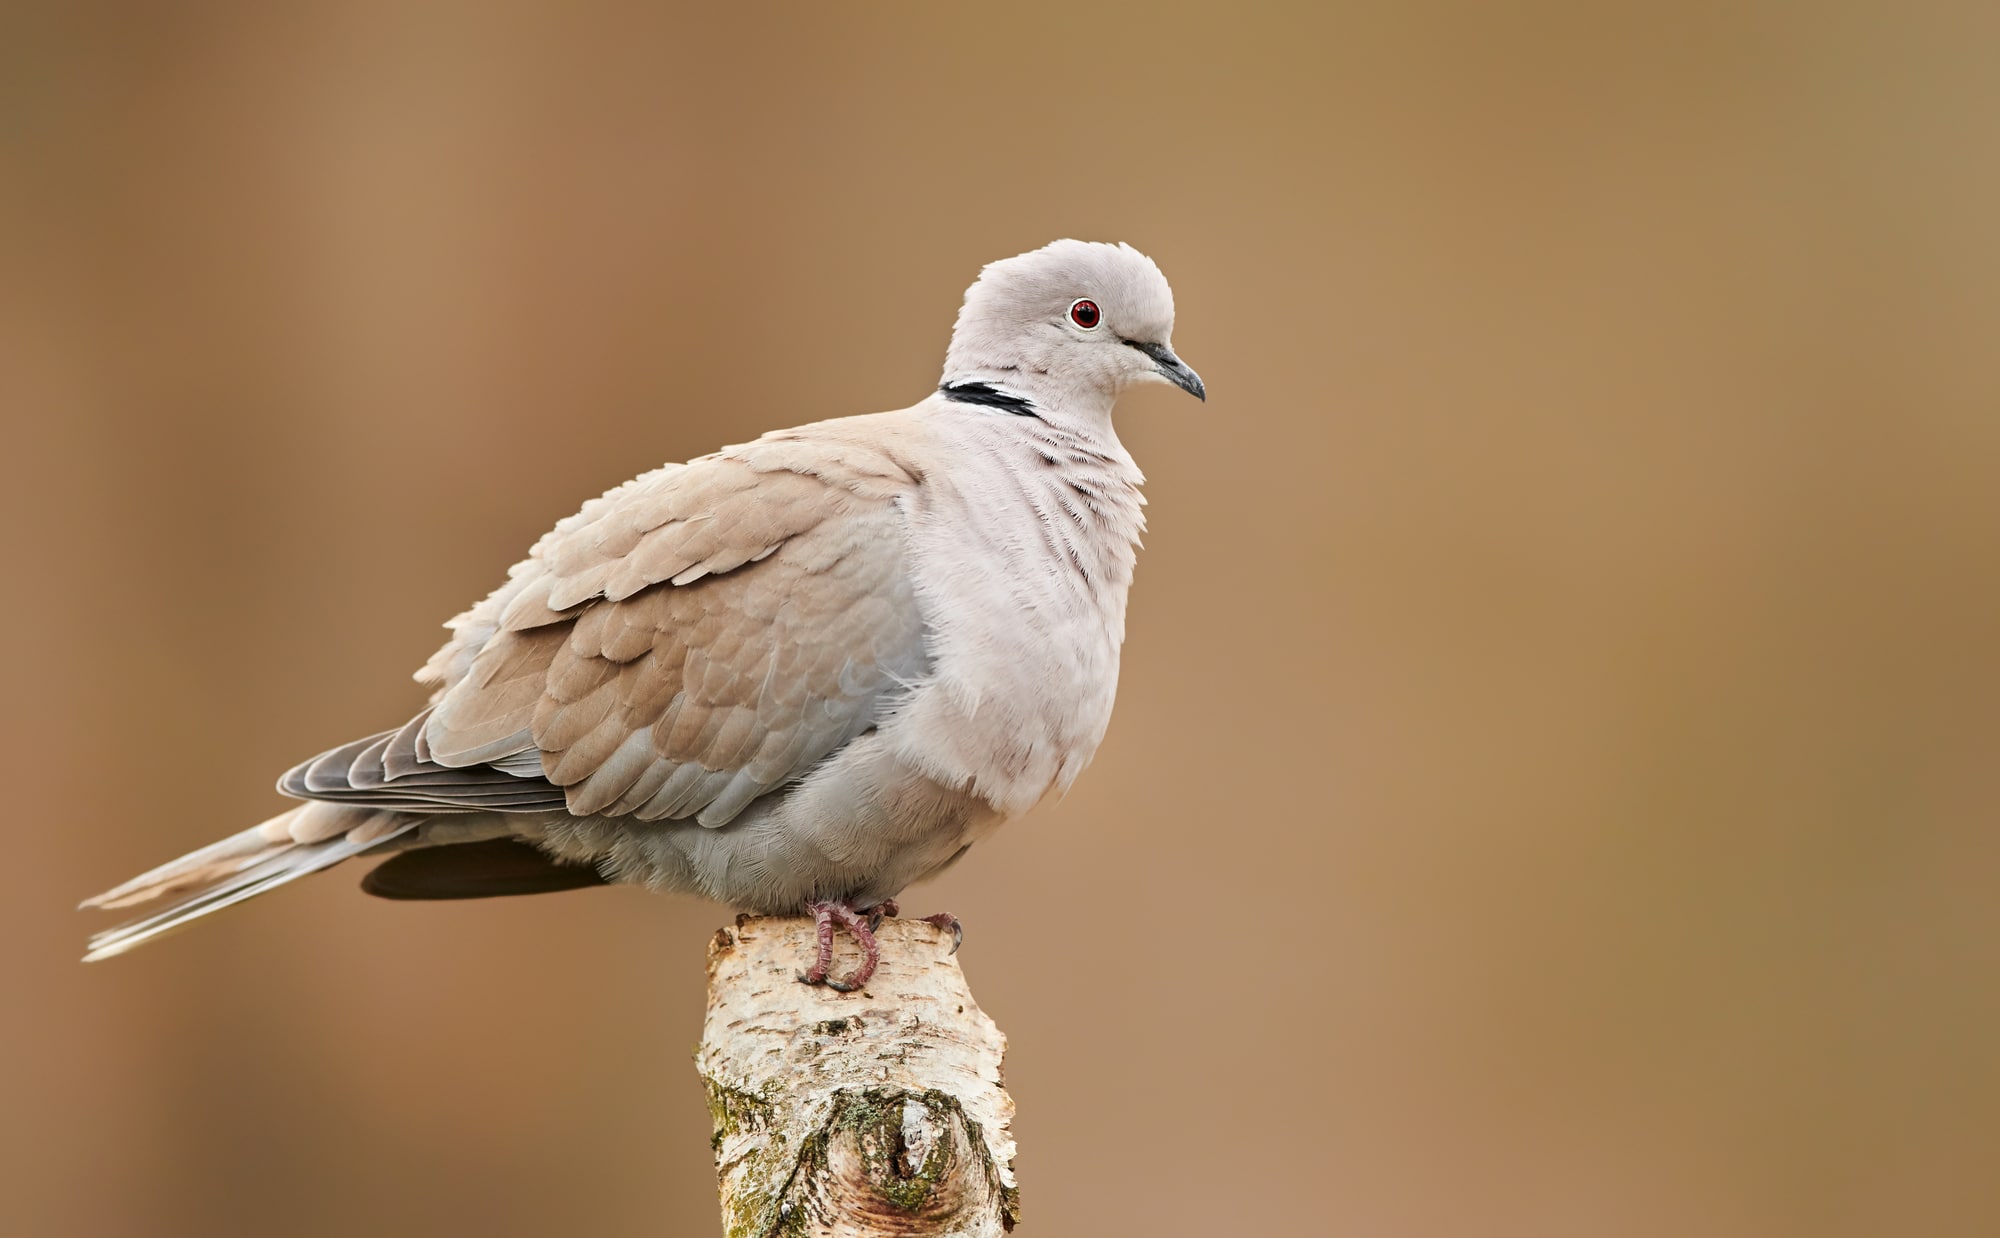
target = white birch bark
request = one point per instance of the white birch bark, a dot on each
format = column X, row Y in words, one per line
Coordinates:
column 854, row 1114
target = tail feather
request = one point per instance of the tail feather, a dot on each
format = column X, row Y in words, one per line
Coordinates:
column 237, row 868
column 212, row 863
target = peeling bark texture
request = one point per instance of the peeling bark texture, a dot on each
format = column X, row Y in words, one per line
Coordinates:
column 857, row 1115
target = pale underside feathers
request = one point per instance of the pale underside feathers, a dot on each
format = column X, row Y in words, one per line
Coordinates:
column 818, row 665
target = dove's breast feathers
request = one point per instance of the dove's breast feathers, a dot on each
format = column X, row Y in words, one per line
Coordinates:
column 1022, row 544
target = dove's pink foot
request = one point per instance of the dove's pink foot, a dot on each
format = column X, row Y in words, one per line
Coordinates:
column 825, row 916
column 943, row 919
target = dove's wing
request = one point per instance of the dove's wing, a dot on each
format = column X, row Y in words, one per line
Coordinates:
column 683, row 645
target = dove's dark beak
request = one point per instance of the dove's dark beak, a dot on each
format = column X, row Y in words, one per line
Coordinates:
column 1173, row 369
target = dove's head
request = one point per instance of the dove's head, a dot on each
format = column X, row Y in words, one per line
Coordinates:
column 1065, row 327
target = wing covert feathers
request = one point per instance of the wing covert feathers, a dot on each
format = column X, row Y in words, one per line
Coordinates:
column 693, row 639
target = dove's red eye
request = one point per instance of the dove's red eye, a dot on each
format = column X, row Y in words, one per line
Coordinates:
column 1084, row 314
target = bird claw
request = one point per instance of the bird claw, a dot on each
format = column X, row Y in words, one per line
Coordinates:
column 945, row 920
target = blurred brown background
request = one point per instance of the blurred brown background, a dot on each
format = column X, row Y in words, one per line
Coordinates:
column 1553, row 786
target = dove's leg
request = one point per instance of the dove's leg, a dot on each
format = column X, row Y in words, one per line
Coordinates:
column 825, row 916
column 823, row 922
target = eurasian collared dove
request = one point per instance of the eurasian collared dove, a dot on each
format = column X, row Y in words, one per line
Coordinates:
column 793, row 676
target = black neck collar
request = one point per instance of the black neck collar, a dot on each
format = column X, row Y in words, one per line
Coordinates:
column 985, row 395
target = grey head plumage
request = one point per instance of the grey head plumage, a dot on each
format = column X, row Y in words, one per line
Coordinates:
column 1068, row 327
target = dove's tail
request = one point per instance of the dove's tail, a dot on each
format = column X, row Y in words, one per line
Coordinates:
column 289, row 846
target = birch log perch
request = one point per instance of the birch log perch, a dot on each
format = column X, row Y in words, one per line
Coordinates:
column 879, row 1112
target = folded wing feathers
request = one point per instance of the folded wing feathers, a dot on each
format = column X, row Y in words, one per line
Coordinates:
column 358, row 773
column 407, row 752
column 631, row 667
